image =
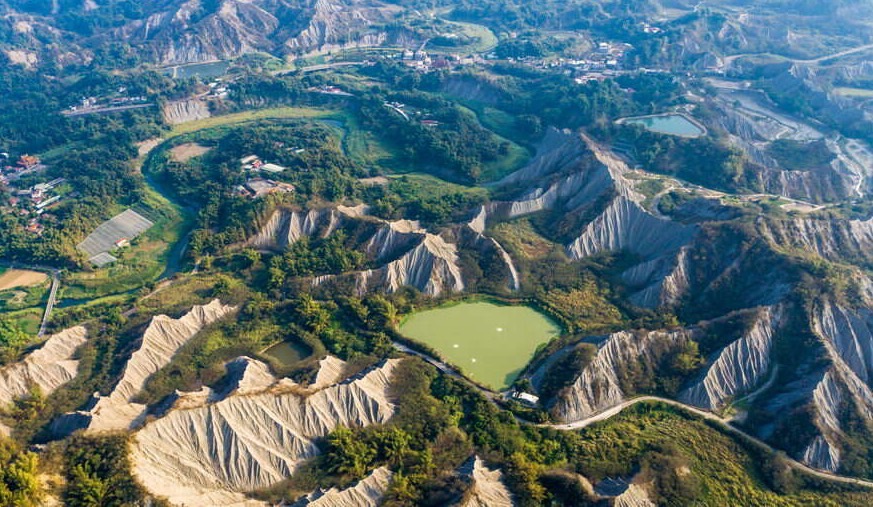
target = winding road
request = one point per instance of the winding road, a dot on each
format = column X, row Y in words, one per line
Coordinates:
column 729, row 60
column 613, row 411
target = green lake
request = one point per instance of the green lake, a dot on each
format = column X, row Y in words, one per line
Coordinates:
column 672, row 124
column 490, row 343
column 288, row 353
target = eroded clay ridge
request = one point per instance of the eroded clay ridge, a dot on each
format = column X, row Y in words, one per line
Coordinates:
column 161, row 340
column 47, row 368
column 367, row 492
column 213, row 453
column 486, row 486
column 598, row 386
column 403, row 252
column 738, row 368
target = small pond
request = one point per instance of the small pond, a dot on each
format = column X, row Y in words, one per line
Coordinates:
column 671, row 124
column 288, row 353
column 490, row 343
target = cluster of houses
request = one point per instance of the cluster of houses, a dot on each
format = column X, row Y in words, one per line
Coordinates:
column 410, row 114
column 424, row 62
column 26, row 164
column 218, row 89
column 256, row 186
column 117, row 99
column 331, row 90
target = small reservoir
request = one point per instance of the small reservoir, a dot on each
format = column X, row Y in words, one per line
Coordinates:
column 288, row 353
column 490, row 343
column 673, row 124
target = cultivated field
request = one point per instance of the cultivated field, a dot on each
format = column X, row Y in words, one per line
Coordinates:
column 126, row 225
column 15, row 278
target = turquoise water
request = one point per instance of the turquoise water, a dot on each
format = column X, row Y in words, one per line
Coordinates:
column 672, row 124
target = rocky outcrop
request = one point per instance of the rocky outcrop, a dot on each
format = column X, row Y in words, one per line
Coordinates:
column 367, row 492
column 47, row 368
column 850, row 332
column 477, row 226
column 192, row 31
column 431, row 267
column 161, row 340
column 486, row 487
column 405, row 253
column 285, row 227
column 182, row 111
column 827, row 398
column 660, row 282
column 634, row 496
column 831, row 239
column 625, row 225
column 599, row 386
column 738, row 368
column 213, row 453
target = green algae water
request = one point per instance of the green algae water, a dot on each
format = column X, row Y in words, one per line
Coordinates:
column 288, row 353
column 490, row 343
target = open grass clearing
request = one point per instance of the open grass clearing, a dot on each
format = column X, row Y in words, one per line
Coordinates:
column 187, row 151
column 275, row 113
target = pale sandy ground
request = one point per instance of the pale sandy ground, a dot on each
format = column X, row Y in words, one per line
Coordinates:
column 144, row 147
column 187, row 151
column 374, row 181
column 21, row 278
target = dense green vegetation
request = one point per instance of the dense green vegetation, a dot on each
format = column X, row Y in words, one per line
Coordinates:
column 19, row 482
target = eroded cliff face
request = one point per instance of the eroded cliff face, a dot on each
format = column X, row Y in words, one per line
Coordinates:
column 601, row 384
column 161, row 340
column 834, row 240
column 626, row 226
column 285, row 227
column 401, row 252
column 576, row 177
column 214, row 449
column 49, row 367
column 431, row 267
column 486, row 488
column 367, row 492
column 739, row 368
column 191, row 31
column 182, row 111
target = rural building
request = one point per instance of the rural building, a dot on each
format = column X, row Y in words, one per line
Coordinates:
column 107, row 236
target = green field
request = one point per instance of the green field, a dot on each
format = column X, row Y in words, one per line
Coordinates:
column 276, row 113
column 490, row 343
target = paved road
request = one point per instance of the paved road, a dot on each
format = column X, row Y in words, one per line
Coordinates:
column 99, row 110
column 314, row 68
column 50, row 305
column 729, row 60
column 53, row 293
column 613, row 411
